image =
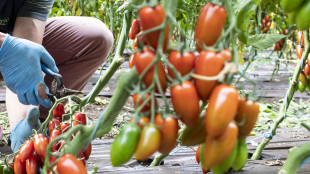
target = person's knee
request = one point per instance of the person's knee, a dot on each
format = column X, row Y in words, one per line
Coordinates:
column 101, row 37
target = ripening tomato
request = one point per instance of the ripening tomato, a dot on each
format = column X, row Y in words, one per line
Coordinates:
column 59, row 111
column 185, row 102
column 65, row 126
column 131, row 61
column 222, row 108
column 40, row 144
column 54, row 123
column 142, row 60
column 79, row 118
column 184, row 63
column 19, row 165
column 26, row 150
column 299, row 51
column 303, row 78
column 149, row 142
column 209, row 63
column 247, row 114
column 209, row 25
column 69, row 164
column 32, row 164
column 169, row 128
column 55, row 133
column 151, row 17
column 142, row 122
column 216, row 150
column 134, row 29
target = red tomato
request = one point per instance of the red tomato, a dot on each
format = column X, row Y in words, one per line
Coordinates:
column 216, row 150
column 32, row 164
column 139, row 40
column 151, row 17
column 285, row 31
column 137, row 97
column 185, row 102
column 222, row 108
column 87, row 151
column 267, row 18
column 149, row 142
column 209, row 25
column 184, row 64
column 79, row 119
column 54, row 123
column 143, row 121
column 247, row 114
column 26, row 150
column 40, row 144
column 299, row 51
column 59, row 111
column 226, row 53
column 300, row 37
column 19, row 165
column 64, row 126
column 277, row 47
column 142, row 60
column 307, row 69
column 268, row 24
column 169, row 128
column 69, row 164
column 55, row 133
column 131, row 61
column 134, row 29
column 209, row 63
column 264, row 21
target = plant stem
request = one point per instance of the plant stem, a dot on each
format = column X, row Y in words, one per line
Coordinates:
column 158, row 159
column 295, row 158
column 286, row 103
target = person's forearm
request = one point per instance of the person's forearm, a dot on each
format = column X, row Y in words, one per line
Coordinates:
column 2, row 38
column 29, row 28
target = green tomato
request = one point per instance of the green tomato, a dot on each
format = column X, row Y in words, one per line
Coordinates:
column 7, row 169
column 302, row 16
column 241, row 157
column 283, row 26
column 302, row 87
column 225, row 165
column 290, row 6
column 125, row 144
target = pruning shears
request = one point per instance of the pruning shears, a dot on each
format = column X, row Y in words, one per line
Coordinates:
column 57, row 88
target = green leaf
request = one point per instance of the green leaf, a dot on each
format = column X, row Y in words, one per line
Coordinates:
column 244, row 9
column 264, row 41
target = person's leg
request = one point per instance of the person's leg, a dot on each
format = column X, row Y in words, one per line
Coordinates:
column 79, row 46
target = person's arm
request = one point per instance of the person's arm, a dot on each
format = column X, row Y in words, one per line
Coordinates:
column 29, row 28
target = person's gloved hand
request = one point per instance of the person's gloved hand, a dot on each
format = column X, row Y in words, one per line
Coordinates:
column 20, row 65
column 23, row 129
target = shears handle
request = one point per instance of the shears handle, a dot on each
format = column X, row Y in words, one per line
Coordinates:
column 56, row 76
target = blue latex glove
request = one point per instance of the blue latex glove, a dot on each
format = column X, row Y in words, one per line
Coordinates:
column 20, row 65
column 23, row 129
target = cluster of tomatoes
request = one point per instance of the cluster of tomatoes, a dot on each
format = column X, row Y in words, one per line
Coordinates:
column 266, row 23
column 303, row 82
column 279, row 45
column 31, row 154
column 217, row 129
